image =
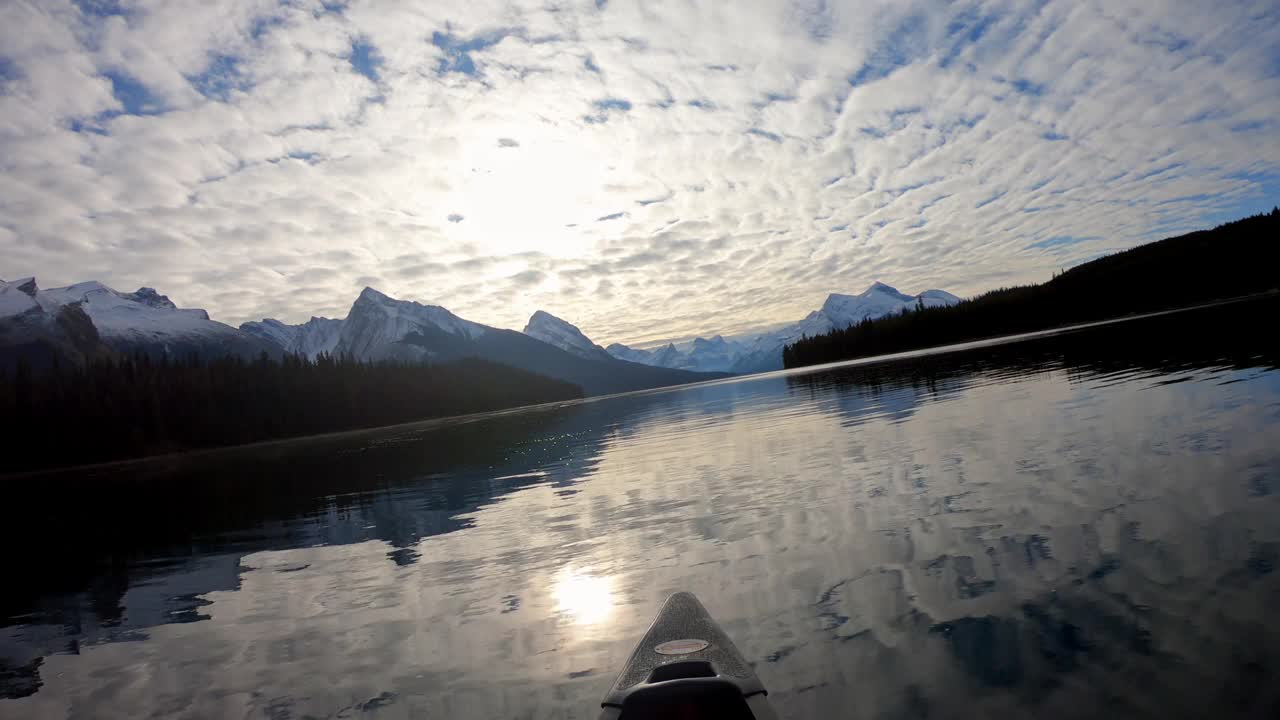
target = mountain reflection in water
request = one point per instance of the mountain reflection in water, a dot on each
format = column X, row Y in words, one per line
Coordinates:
column 1070, row 526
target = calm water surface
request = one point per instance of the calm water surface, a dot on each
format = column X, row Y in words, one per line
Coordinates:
column 1067, row 527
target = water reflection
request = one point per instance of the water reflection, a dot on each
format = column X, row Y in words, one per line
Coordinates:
column 1073, row 526
column 584, row 597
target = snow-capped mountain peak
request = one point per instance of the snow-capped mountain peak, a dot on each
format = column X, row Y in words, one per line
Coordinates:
column 149, row 297
column 380, row 327
column 552, row 330
column 882, row 288
column 416, row 313
column 18, row 296
column 936, row 298
column 142, row 316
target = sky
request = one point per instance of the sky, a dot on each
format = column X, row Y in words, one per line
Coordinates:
column 643, row 169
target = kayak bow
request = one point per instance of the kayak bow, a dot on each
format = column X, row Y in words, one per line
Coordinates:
column 685, row 667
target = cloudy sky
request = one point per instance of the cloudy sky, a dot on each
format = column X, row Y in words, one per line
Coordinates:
column 644, row 169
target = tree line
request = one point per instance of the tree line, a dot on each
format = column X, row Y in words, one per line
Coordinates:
column 138, row 406
column 1235, row 259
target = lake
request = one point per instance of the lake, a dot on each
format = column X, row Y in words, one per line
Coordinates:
column 1078, row 525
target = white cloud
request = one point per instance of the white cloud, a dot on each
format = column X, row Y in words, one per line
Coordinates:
column 749, row 159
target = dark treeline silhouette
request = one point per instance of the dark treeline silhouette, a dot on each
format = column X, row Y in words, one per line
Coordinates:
column 1235, row 259
column 118, row 409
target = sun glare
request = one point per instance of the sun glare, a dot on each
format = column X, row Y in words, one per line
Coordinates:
column 584, row 597
column 529, row 197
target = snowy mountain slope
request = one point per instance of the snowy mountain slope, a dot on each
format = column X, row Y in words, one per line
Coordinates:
column 39, row 337
column 763, row 351
column 938, row 298
column 139, row 322
column 552, row 330
column 635, row 355
column 148, row 322
column 17, row 297
column 310, row 339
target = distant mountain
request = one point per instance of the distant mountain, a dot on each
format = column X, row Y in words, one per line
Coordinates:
column 310, row 339
column 379, row 327
column 86, row 320
column 714, row 355
column 762, row 352
column 552, row 330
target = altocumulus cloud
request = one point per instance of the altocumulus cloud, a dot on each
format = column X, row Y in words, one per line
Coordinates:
column 767, row 152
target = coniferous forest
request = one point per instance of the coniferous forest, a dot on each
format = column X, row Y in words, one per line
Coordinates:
column 1232, row 260
column 118, row 409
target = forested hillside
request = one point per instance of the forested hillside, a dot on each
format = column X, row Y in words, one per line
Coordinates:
column 1235, row 259
column 111, row 410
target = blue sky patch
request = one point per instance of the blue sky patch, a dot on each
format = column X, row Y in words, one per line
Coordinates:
column 1172, row 42
column 220, row 78
column 966, row 29
column 901, row 46
column 1250, row 126
column 365, row 59
column 8, row 72
column 263, row 25
column 605, row 107
column 458, row 50
column 1059, row 241
column 991, row 199
column 655, row 201
column 771, row 98
column 1262, row 195
column 1158, row 171
column 100, row 8
column 1026, row 87
column 133, row 95
column 92, row 126
column 765, row 134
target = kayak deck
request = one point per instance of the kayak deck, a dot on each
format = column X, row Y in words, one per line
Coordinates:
column 686, row 667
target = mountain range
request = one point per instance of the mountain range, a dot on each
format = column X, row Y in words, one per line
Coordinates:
column 762, row 352
column 90, row 320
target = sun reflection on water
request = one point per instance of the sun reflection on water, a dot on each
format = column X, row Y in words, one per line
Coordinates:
column 585, row 597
